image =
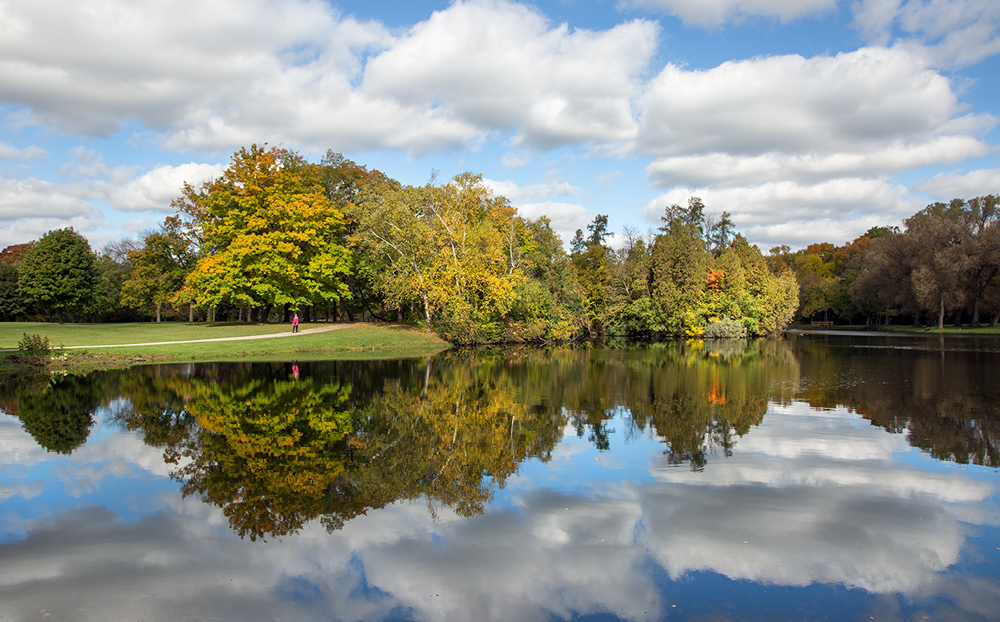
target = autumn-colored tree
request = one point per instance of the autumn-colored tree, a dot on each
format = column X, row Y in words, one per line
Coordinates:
column 457, row 251
column 817, row 277
column 268, row 233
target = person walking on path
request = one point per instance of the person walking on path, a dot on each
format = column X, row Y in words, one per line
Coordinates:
column 295, row 323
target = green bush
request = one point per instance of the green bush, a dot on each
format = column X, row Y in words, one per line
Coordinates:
column 724, row 328
column 34, row 346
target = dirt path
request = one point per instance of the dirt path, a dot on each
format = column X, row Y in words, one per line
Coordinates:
column 307, row 331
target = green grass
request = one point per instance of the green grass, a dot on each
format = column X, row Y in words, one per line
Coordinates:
column 137, row 332
column 363, row 341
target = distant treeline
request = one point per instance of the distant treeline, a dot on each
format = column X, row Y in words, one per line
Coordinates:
column 943, row 263
column 276, row 234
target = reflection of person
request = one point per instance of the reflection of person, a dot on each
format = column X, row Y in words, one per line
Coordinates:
column 295, row 370
column 295, row 323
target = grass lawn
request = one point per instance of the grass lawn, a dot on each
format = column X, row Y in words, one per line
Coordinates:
column 136, row 332
column 368, row 341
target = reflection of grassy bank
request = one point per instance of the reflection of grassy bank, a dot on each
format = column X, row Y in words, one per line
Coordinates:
column 908, row 330
column 365, row 341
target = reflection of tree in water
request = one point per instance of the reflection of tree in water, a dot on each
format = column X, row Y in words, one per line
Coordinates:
column 946, row 401
column 56, row 411
column 699, row 398
column 275, row 453
column 696, row 398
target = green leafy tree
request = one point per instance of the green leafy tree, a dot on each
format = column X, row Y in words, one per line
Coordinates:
column 59, row 272
column 159, row 268
column 550, row 302
column 11, row 303
column 592, row 259
column 679, row 268
column 106, row 303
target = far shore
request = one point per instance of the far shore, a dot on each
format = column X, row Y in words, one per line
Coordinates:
column 901, row 331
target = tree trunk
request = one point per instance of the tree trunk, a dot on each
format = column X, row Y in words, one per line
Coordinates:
column 975, row 313
column 158, row 305
column 940, row 324
column 427, row 314
column 190, row 313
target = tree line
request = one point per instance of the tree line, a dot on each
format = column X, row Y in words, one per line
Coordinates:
column 276, row 234
column 943, row 263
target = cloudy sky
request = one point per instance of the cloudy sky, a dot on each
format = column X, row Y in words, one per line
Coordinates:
column 807, row 120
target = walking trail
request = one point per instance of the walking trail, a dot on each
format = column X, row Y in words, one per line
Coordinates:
column 307, row 331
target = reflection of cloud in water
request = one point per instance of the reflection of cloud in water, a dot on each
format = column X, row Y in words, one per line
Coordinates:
column 786, row 517
column 17, row 447
column 793, row 512
column 120, row 456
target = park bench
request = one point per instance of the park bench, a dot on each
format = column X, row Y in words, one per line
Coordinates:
column 822, row 324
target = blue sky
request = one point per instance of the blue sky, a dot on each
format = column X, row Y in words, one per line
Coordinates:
column 807, row 120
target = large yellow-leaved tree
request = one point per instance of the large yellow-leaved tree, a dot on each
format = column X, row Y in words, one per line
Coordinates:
column 269, row 234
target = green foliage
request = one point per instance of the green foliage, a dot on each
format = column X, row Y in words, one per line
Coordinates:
column 456, row 252
column 269, row 235
column 12, row 305
column 34, row 346
column 159, row 268
column 947, row 260
column 106, row 303
column 724, row 328
column 591, row 258
column 679, row 266
column 58, row 414
column 550, row 302
column 59, row 272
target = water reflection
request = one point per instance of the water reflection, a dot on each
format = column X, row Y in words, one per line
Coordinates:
column 57, row 411
column 552, row 483
column 943, row 395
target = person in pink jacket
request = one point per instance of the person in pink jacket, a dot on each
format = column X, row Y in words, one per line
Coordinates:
column 295, row 323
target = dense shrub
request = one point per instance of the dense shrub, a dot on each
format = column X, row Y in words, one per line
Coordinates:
column 34, row 347
column 724, row 328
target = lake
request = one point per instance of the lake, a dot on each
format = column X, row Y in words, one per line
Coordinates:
column 810, row 478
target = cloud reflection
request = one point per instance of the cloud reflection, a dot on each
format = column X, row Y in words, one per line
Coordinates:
column 782, row 511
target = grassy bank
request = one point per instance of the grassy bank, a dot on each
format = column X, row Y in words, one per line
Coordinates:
column 137, row 332
column 361, row 341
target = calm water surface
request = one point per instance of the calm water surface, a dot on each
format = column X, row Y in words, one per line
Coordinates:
column 817, row 478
